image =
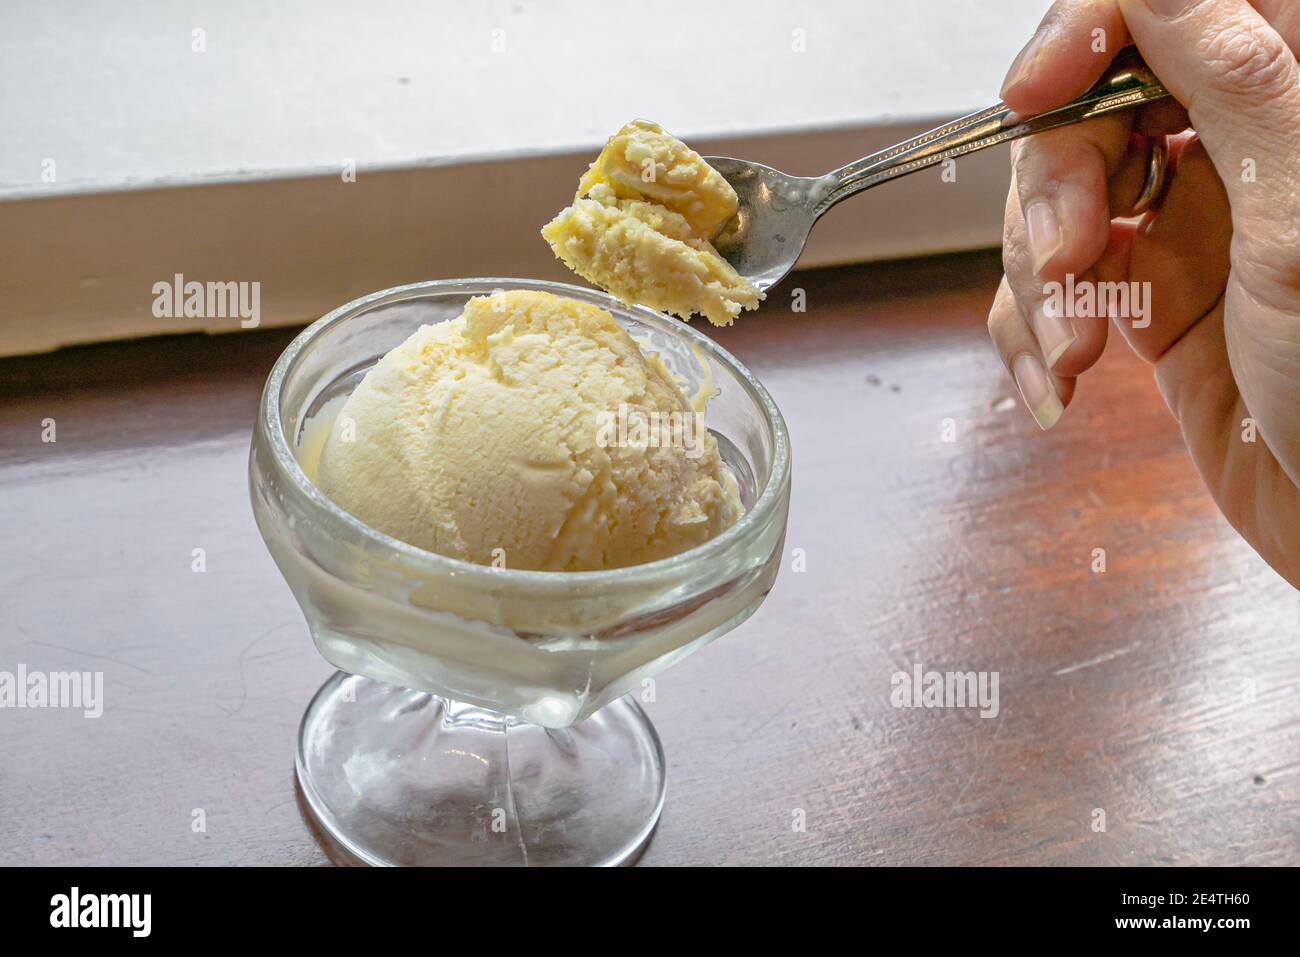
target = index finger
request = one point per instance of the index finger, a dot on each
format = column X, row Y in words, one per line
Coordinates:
column 1078, row 39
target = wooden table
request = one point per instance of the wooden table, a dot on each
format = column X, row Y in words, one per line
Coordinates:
column 1164, row 692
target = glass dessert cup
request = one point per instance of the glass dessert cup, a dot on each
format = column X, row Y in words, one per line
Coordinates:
column 482, row 715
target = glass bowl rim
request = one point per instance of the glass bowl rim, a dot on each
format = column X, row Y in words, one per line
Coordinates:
column 286, row 462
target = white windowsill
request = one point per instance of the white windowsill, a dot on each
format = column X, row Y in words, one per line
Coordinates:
column 468, row 123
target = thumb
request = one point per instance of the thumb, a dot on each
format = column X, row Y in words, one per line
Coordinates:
column 1239, row 81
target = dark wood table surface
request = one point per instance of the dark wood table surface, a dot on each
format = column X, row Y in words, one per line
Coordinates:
column 1164, row 692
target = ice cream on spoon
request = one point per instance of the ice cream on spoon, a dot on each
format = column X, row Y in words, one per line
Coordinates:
column 643, row 224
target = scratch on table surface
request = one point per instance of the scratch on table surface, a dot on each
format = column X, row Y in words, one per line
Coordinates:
column 979, row 765
column 243, row 678
column 1099, row 660
column 87, row 654
column 798, row 697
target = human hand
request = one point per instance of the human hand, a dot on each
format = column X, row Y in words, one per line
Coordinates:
column 1218, row 261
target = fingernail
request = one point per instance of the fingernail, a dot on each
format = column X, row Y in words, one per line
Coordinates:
column 1045, row 239
column 1055, row 333
column 1038, row 390
column 1168, row 9
column 1022, row 65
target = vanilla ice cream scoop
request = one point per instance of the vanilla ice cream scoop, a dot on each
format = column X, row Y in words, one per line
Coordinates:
column 530, row 432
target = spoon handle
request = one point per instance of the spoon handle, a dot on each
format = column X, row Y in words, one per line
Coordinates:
column 1127, row 84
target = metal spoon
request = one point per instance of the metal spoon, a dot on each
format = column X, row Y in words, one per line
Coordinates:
column 777, row 211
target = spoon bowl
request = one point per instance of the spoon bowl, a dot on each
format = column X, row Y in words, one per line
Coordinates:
column 776, row 214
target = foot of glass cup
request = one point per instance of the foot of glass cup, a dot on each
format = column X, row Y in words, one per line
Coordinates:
column 401, row 777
